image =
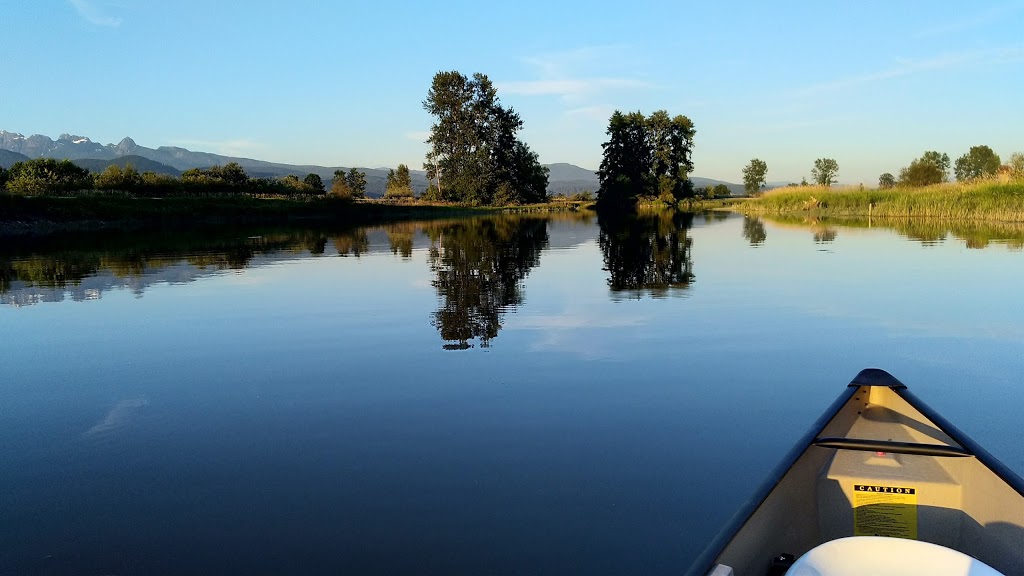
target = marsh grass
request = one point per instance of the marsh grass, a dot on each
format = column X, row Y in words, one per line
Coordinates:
column 989, row 200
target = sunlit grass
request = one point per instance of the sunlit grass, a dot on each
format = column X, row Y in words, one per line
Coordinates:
column 992, row 200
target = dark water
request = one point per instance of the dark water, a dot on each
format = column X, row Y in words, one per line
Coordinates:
column 499, row 396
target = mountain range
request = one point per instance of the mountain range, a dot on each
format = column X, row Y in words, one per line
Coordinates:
column 172, row 160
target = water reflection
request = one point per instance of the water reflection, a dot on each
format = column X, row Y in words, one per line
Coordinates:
column 479, row 267
column 647, row 253
column 927, row 231
column 753, row 230
column 45, row 269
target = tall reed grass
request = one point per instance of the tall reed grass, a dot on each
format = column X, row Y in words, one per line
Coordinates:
column 990, row 200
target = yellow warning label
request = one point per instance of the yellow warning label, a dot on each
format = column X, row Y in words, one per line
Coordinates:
column 884, row 511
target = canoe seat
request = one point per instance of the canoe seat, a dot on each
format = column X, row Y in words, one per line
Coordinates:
column 880, row 556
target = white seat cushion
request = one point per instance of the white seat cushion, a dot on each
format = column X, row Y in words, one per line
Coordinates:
column 879, row 556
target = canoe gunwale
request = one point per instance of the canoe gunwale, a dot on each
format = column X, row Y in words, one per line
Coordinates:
column 706, row 560
column 988, row 460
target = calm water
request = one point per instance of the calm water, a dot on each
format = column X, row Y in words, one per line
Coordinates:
column 500, row 396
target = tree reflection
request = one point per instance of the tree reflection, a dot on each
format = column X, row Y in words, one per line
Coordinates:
column 352, row 243
column 647, row 251
column 480, row 266
column 753, row 230
column 824, row 235
column 41, row 269
column 400, row 238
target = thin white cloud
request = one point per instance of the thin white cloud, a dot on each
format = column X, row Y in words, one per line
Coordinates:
column 907, row 67
column 94, row 15
column 598, row 112
column 418, row 136
column 234, row 147
column 579, row 77
column 977, row 20
column 570, row 87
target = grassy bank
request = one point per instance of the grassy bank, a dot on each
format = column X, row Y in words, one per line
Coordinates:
column 989, row 200
column 45, row 214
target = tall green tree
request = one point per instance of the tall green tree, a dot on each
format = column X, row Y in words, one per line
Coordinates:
column 940, row 161
column 979, row 162
column 825, row 171
column 356, row 181
column 3, row 178
column 625, row 171
column 886, row 181
column 754, row 177
column 315, row 182
column 474, row 148
column 339, row 185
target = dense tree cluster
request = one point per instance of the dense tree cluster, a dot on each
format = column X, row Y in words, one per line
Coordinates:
column 934, row 167
column 475, row 156
column 979, row 162
column 399, row 183
column 931, row 168
column 48, row 176
column 710, row 192
column 351, row 184
column 646, row 156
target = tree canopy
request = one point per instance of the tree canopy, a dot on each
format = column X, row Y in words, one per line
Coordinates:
column 886, row 181
column 475, row 156
column 825, row 171
column 314, row 181
column 754, row 176
column 979, row 162
column 46, row 175
column 356, row 181
column 399, row 183
column 931, row 168
column 646, row 156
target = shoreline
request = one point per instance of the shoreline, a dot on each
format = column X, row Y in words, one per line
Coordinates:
column 978, row 201
column 42, row 215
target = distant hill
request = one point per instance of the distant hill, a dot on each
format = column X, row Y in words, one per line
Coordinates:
column 569, row 179
column 8, row 158
column 698, row 182
column 564, row 178
column 138, row 162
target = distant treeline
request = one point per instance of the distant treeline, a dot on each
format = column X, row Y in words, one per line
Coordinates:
column 47, row 176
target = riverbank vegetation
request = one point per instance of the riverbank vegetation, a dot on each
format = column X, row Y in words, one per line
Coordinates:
column 985, row 199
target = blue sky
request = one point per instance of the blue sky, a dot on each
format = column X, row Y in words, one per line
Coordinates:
column 871, row 84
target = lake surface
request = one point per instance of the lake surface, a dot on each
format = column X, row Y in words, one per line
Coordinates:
column 493, row 396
